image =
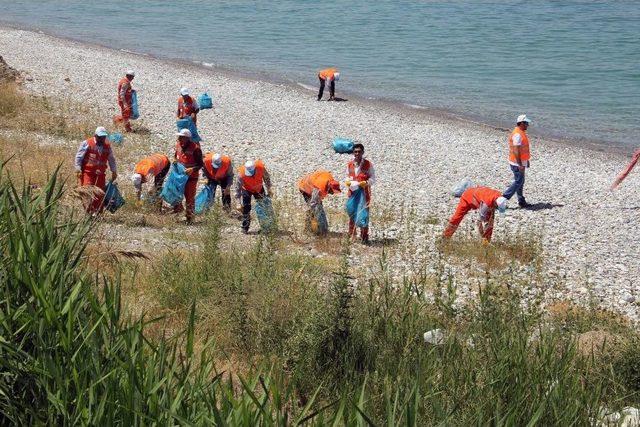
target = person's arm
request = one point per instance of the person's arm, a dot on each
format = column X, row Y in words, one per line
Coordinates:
column 372, row 176
column 125, row 93
column 199, row 161
column 80, row 156
column 112, row 165
column 238, row 188
column 517, row 142
column 267, row 181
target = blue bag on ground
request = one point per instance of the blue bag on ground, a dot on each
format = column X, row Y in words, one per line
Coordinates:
column 342, row 145
column 113, row 200
column 135, row 112
column 205, row 102
column 205, row 199
column 357, row 208
column 265, row 214
column 116, row 138
column 187, row 123
column 173, row 188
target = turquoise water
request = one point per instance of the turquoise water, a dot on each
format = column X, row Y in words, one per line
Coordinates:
column 571, row 65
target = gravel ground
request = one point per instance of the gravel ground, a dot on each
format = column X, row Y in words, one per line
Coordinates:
column 587, row 231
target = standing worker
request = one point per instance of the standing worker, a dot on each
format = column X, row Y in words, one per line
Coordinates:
column 156, row 166
column 252, row 178
column 519, row 159
column 485, row 200
column 189, row 154
column 330, row 76
column 187, row 106
column 314, row 188
column 124, row 100
column 218, row 169
column 92, row 159
column 360, row 171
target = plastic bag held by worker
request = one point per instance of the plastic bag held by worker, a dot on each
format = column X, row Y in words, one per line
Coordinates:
column 116, row 138
column 135, row 112
column 204, row 199
column 319, row 223
column 266, row 215
column 173, row 188
column 342, row 145
column 461, row 187
column 113, row 200
column 187, row 123
column 205, row 102
column 357, row 208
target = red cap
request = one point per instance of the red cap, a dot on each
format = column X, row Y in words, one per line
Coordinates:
column 335, row 186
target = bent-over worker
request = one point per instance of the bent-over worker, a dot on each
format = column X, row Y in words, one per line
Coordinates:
column 189, row 154
column 328, row 76
column 218, row 170
column 155, row 166
column 92, row 159
column 124, row 100
column 360, row 171
column 314, row 188
column 252, row 178
column 484, row 199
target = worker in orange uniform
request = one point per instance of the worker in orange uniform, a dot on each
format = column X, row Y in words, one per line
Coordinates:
column 187, row 106
column 124, row 101
column 189, row 154
column 252, row 178
column 218, row 170
column 314, row 188
column 155, row 166
column 328, row 76
column 519, row 157
column 484, row 199
column 360, row 173
column 92, row 159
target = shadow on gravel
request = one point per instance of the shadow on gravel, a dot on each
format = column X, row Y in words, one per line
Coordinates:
column 384, row 242
column 336, row 99
column 542, row 206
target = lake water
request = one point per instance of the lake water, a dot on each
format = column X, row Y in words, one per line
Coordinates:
column 572, row 66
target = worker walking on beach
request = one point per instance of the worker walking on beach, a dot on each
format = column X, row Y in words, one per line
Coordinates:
column 328, row 76
column 125, row 91
column 360, row 176
column 218, row 170
column 187, row 106
column 92, row 159
column 314, row 188
column 253, row 177
column 484, row 199
column 519, row 157
column 189, row 154
column 627, row 169
column 155, row 166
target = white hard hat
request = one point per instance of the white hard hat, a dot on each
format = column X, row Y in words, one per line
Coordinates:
column 217, row 160
column 101, row 131
column 184, row 132
column 501, row 202
column 130, row 72
column 523, row 118
column 184, row 91
column 249, row 168
column 336, row 76
column 136, row 178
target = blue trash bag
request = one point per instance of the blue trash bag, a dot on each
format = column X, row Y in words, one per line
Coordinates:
column 113, row 200
column 187, row 123
column 357, row 208
column 266, row 215
column 205, row 199
column 116, row 138
column 135, row 112
column 205, row 102
column 319, row 223
column 343, row 145
column 173, row 188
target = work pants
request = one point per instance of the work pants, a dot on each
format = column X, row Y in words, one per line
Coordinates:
column 98, row 180
column 461, row 211
column 332, row 88
column 190, row 198
column 124, row 117
column 517, row 186
column 225, row 187
column 246, row 207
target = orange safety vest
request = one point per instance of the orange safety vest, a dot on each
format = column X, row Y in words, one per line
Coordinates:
column 187, row 156
column 252, row 184
column 154, row 164
column 95, row 162
column 475, row 196
column 221, row 172
column 327, row 73
column 319, row 179
column 363, row 175
column 186, row 108
column 524, row 147
column 127, row 95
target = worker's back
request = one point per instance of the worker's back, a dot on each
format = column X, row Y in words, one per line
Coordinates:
column 475, row 196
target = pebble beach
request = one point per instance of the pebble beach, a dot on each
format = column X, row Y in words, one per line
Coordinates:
column 589, row 234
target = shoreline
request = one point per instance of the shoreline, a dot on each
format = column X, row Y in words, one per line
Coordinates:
column 353, row 98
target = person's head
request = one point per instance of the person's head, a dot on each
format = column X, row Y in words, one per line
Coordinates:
column 336, row 76
column 130, row 74
column 333, row 187
column 184, row 137
column 184, row 92
column 358, row 152
column 249, row 167
column 501, row 204
column 101, row 135
column 136, row 179
column 523, row 121
column 216, row 161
